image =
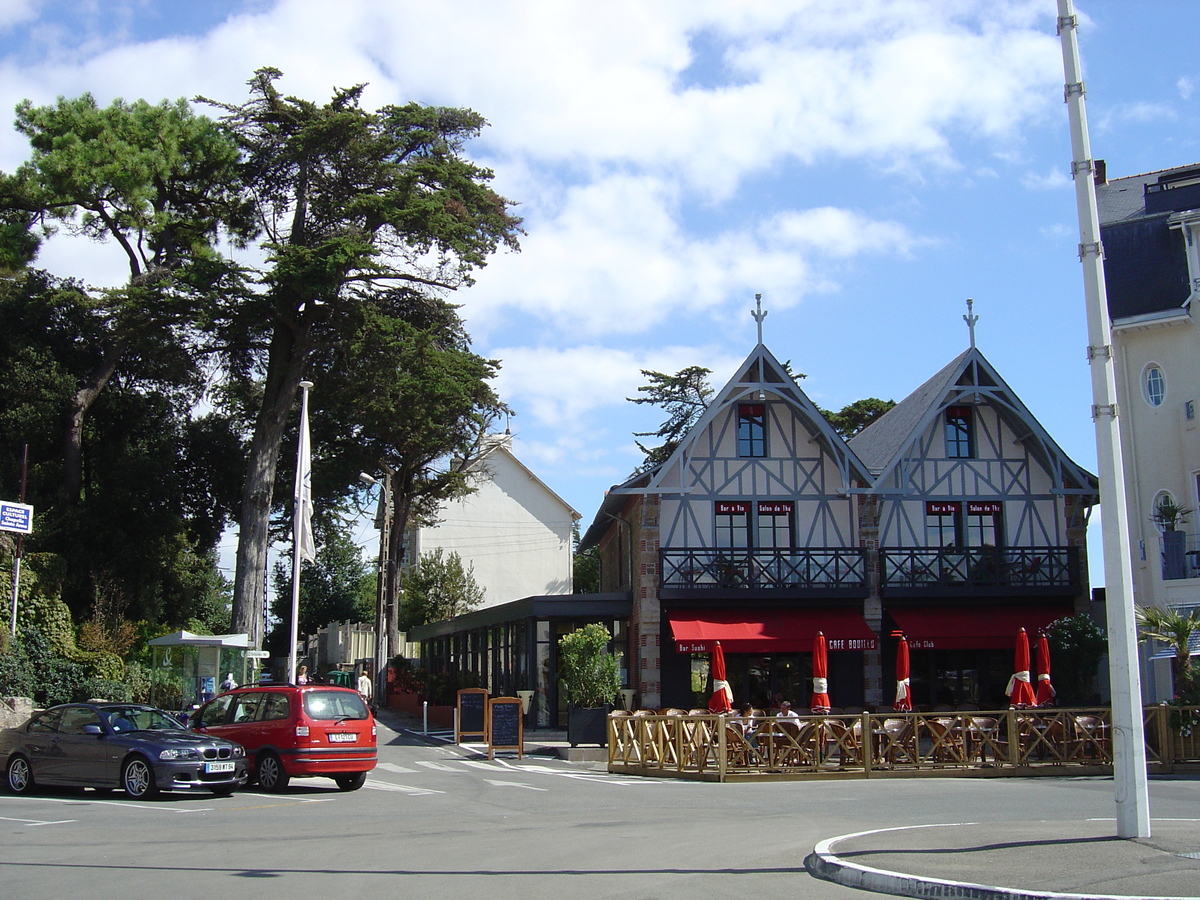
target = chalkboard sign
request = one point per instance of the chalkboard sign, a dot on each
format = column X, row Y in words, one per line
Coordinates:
column 472, row 714
column 506, row 726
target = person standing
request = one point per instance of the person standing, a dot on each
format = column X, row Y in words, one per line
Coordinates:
column 364, row 686
column 302, row 675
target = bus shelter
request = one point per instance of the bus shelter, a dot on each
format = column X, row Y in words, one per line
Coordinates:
column 202, row 661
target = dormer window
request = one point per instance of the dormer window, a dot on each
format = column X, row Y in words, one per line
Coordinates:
column 959, row 443
column 752, row 430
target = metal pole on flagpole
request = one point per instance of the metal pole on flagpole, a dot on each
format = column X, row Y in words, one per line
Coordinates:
column 1129, row 742
column 300, row 522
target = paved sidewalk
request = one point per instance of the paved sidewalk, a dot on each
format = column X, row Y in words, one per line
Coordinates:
column 1016, row 861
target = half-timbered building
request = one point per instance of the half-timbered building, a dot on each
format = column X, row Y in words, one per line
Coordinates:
column 979, row 519
column 954, row 518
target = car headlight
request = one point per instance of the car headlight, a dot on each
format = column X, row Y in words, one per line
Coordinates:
column 180, row 753
column 238, row 751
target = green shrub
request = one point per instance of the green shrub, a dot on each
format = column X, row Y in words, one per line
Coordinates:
column 104, row 689
column 589, row 672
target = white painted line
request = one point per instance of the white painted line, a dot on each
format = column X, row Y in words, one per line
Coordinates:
column 33, row 823
column 392, row 767
column 399, row 788
column 440, row 767
column 528, row 787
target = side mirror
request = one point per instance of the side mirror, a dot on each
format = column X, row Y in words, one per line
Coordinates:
column 92, row 729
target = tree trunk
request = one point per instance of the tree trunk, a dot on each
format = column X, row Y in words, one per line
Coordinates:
column 287, row 357
column 77, row 412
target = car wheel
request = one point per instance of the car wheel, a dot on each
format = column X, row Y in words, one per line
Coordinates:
column 19, row 775
column 137, row 778
column 350, row 782
column 271, row 776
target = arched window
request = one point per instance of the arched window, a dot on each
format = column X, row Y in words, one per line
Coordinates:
column 1154, row 384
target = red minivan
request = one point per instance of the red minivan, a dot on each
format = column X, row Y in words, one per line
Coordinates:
column 296, row 731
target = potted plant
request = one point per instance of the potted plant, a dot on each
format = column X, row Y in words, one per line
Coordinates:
column 590, row 676
column 1167, row 515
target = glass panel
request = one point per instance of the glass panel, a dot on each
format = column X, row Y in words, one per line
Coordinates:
column 752, row 439
column 958, row 432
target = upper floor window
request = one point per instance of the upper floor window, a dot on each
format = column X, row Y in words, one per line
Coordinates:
column 1154, row 384
column 959, row 443
column 732, row 524
column 775, row 524
column 943, row 523
column 752, row 430
column 984, row 523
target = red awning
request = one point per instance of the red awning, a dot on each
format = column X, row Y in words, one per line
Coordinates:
column 768, row 631
column 984, row 627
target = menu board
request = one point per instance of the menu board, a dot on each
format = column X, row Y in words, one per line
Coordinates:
column 472, row 715
column 506, row 729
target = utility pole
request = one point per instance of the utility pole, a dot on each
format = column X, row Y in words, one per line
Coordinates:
column 383, row 521
column 1129, row 741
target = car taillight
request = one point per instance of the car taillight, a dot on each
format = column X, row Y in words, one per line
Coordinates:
column 373, row 729
column 301, row 731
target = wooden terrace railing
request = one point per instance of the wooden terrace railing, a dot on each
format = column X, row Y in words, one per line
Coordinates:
column 698, row 744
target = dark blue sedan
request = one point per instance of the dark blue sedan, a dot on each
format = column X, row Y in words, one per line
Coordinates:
column 140, row 749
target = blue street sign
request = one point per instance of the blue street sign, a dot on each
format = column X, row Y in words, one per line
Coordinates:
column 16, row 517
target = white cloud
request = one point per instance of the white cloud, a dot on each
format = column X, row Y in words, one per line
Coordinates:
column 1051, row 180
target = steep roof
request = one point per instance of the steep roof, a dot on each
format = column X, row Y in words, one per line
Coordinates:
column 968, row 378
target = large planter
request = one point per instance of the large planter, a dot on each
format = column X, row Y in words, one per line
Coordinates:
column 588, row 725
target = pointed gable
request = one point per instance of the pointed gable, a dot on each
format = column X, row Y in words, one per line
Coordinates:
column 969, row 379
column 760, row 375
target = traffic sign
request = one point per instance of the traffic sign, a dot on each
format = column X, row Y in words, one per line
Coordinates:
column 16, row 517
column 258, row 654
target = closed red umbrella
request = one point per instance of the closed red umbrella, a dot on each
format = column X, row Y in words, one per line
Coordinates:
column 1019, row 690
column 820, row 694
column 722, row 697
column 1045, row 690
column 903, row 695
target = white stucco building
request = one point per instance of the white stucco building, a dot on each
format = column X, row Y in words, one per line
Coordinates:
column 1150, row 226
column 513, row 530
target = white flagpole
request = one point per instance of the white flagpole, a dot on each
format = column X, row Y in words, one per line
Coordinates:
column 302, row 535
column 1129, row 741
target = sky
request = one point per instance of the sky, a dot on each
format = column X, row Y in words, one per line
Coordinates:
column 865, row 166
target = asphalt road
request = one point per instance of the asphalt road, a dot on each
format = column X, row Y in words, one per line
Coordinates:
column 436, row 821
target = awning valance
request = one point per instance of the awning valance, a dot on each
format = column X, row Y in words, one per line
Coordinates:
column 768, row 631
column 981, row 627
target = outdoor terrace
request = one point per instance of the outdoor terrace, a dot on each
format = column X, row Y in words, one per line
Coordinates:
column 698, row 744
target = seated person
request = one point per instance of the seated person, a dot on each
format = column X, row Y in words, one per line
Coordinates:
column 745, row 723
column 786, row 711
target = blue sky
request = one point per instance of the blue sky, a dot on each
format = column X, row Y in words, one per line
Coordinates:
column 866, row 167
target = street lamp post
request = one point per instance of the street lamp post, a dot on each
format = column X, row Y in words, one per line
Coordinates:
column 383, row 522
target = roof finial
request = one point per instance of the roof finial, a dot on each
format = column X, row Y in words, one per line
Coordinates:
column 971, row 320
column 758, row 314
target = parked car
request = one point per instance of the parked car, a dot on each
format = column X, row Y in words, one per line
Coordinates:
column 296, row 731
column 140, row 749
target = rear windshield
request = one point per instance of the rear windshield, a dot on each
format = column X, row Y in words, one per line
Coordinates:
column 335, row 705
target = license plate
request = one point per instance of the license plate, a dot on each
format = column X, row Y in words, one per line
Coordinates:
column 213, row 768
column 343, row 737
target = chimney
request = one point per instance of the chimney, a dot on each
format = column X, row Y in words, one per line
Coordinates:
column 1101, row 175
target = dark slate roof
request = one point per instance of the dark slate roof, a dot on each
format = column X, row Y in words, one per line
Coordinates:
column 1145, row 268
column 880, row 442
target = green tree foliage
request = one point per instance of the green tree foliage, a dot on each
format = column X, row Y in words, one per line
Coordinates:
column 331, row 588
column 438, row 587
column 589, row 672
column 856, row 416
column 1178, row 632
column 349, row 201
column 1076, row 647
column 157, row 181
column 683, row 396
column 585, row 566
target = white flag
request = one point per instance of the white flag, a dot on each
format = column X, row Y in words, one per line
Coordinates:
column 302, row 531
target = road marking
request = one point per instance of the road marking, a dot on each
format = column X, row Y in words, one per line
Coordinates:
column 119, row 804
column 392, row 767
column 440, row 767
column 479, row 764
column 399, row 788
column 33, row 823
column 528, row 787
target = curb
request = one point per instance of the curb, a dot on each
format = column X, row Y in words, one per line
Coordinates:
column 824, row 864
